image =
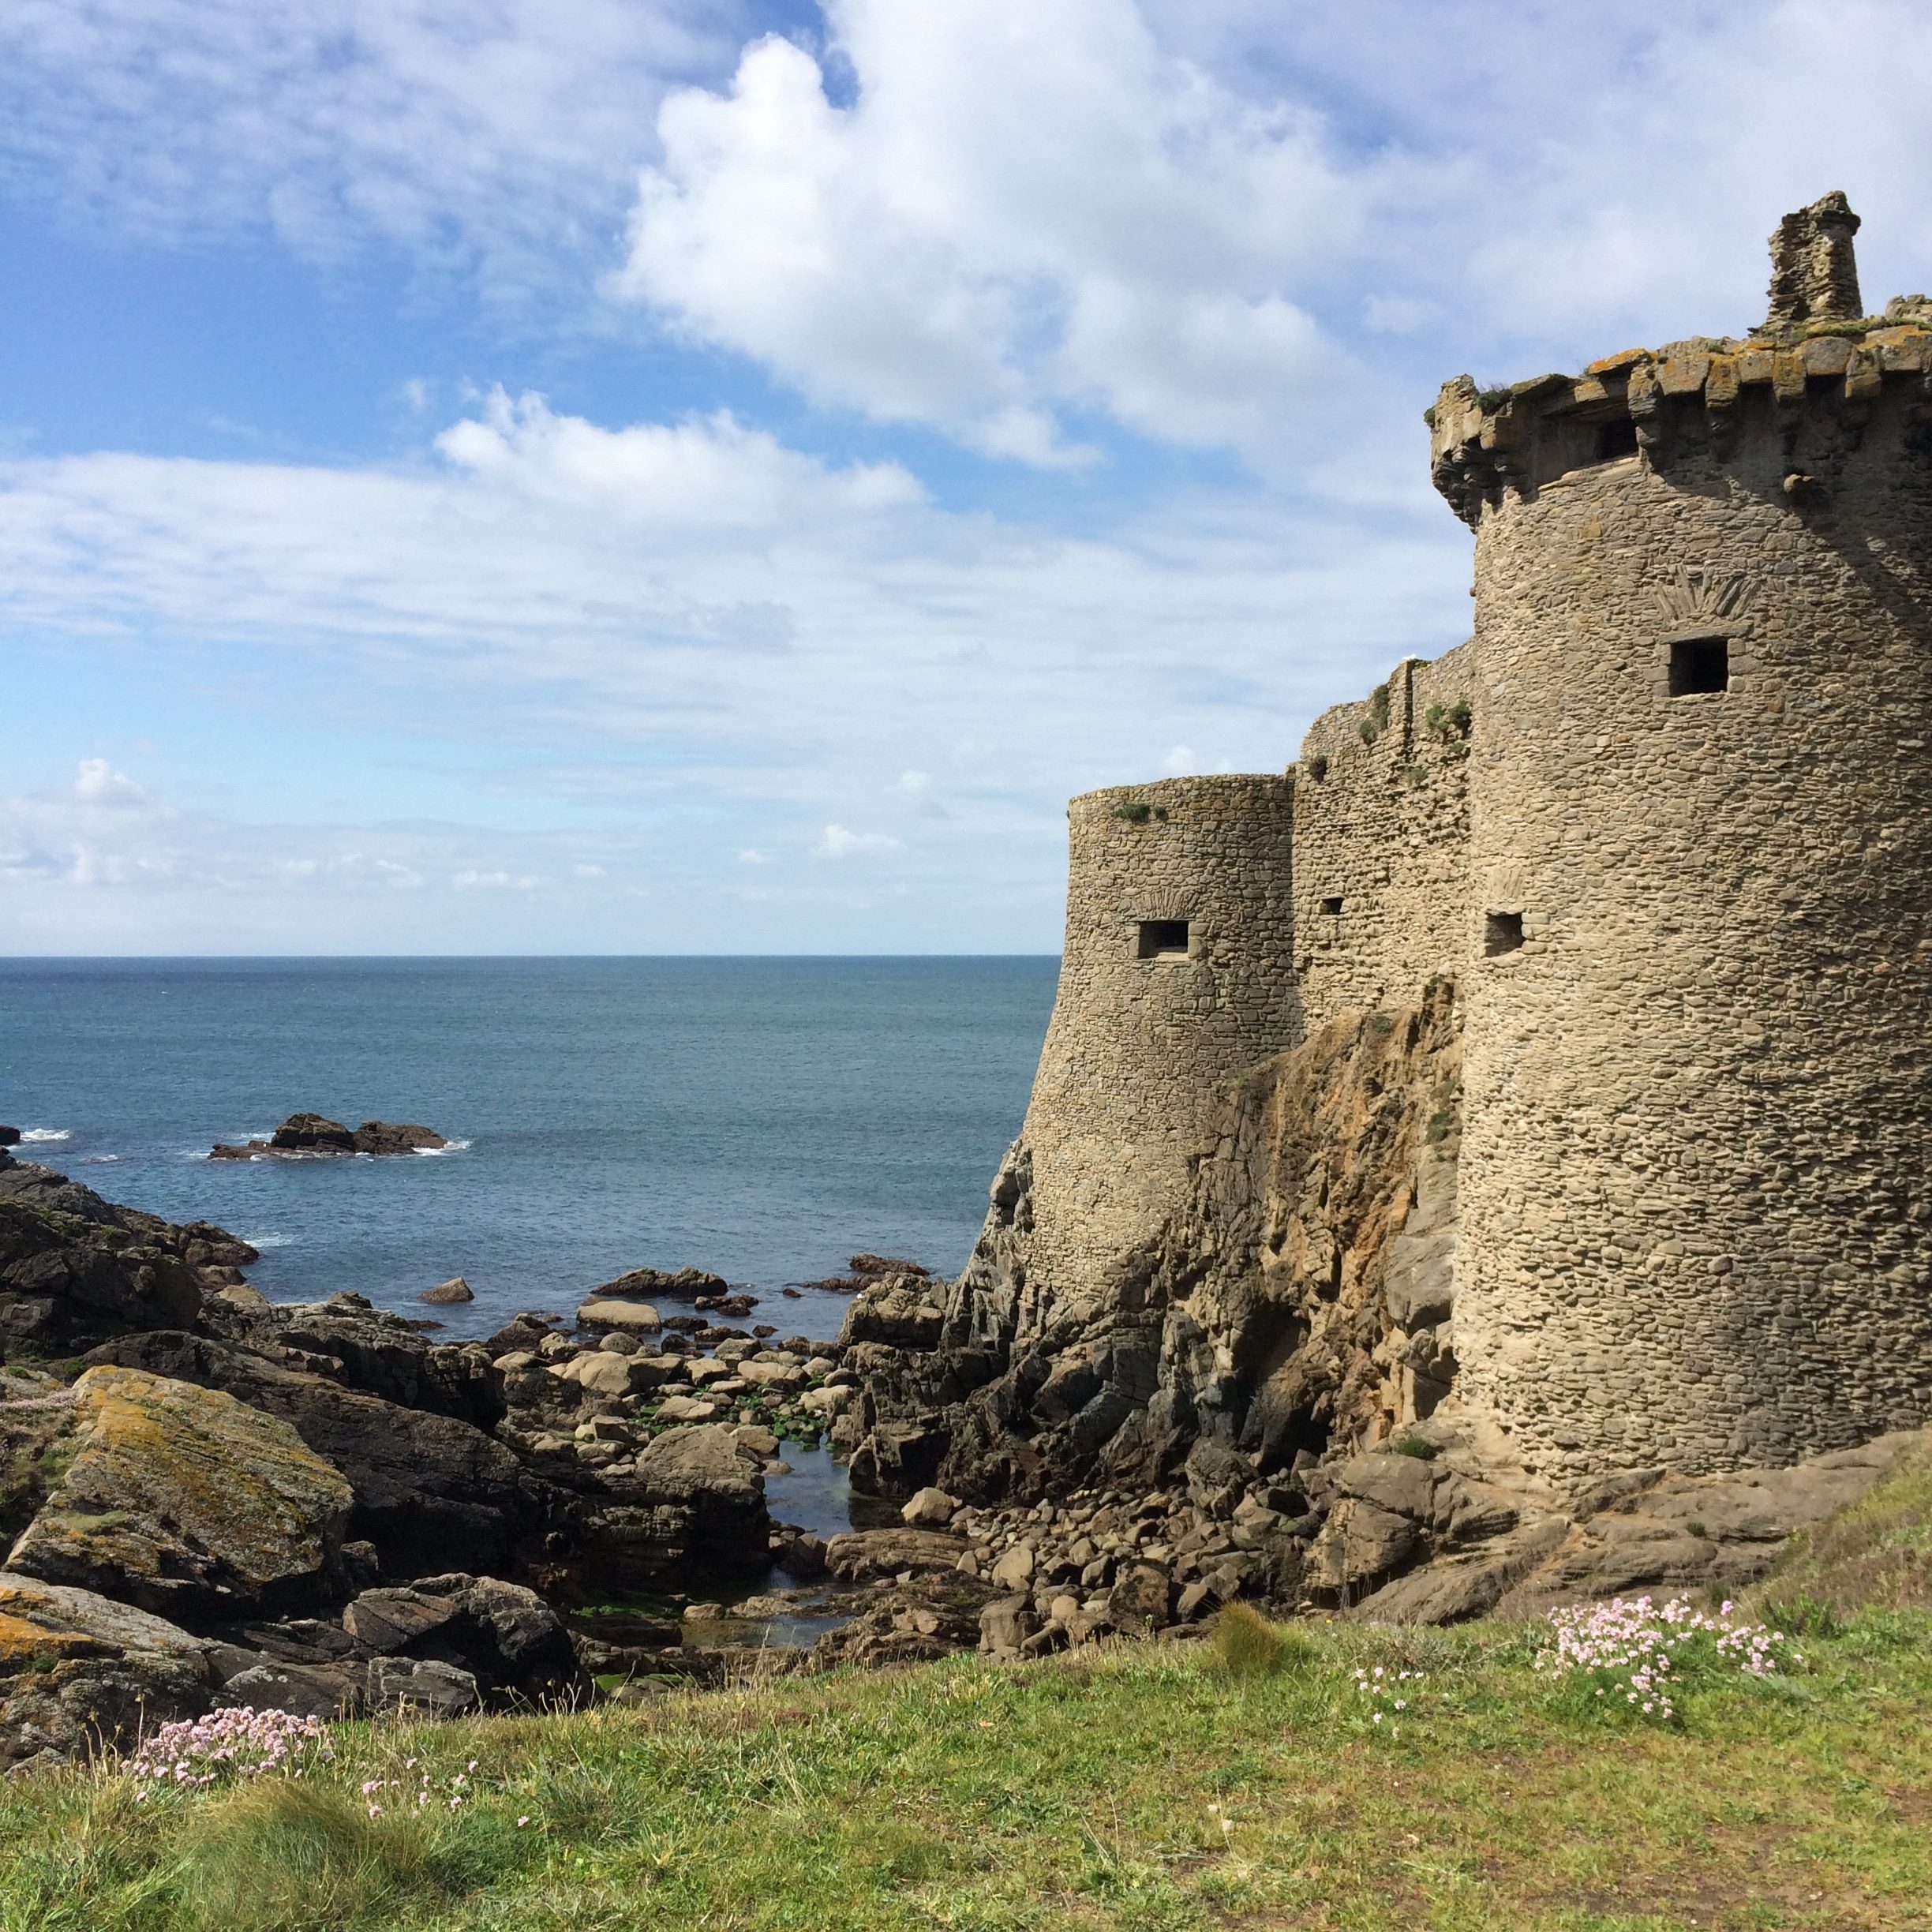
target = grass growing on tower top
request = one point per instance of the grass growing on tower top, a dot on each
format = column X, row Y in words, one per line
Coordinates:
column 1145, row 1787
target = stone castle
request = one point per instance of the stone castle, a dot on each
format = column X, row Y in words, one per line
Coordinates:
column 1639, row 880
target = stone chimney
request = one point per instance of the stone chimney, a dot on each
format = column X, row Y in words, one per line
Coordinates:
column 1814, row 270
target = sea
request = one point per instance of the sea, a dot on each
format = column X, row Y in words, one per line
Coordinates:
column 765, row 1119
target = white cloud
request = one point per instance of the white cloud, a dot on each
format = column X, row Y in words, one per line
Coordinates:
column 1023, row 211
column 1201, row 222
column 494, row 882
column 1180, row 759
column 751, row 856
column 836, row 842
column 499, row 134
column 715, row 472
column 96, row 782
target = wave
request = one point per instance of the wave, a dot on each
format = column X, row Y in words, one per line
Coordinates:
column 266, row 1241
column 45, row 1134
column 98, row 1160
column 453, row 1147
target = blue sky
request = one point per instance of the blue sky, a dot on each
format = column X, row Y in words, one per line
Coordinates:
column 557, row 475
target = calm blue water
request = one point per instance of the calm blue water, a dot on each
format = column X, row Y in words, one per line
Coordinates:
column 762, row 1118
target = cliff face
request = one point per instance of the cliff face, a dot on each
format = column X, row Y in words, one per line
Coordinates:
column 1296, row 1300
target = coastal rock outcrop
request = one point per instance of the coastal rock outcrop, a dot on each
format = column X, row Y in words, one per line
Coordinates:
column 183, row 1501
column 1296, row 1298
column 75, row 1269
column 78, row 1669
column 428, row 1490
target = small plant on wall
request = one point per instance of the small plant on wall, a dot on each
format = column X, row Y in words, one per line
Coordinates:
column 1137, row 811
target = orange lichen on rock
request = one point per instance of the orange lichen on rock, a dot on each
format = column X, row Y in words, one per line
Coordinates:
column 180, row 1497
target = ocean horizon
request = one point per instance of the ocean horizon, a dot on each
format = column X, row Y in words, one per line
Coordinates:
column 763, row 1117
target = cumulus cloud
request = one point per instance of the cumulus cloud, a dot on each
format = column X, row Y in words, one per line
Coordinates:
column 999, row 220
column 836, row 842
column 1021, row 211
column 96, row 782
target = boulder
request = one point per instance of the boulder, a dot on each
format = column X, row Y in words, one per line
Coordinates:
column 861, row 1553
column 900, row 1311
column 1006, row 1624
column 652, row 1284
column 929, row 1509
column 312, row 1134
column 79, row 1671
column 429, row 1491
column 1139, row 1600
column 687, row 1409
column 10, row 1137
column 1404, row 1485
column 449, row 1293
column 691, row 1501
column 505, row 1638
column 597, row 1372
column 1360, row 1543
column 1013, row 1569
column 636, row 1317
column 773, row 1375
column 425, row 1688
column 324, row 1690
column 182, row 1499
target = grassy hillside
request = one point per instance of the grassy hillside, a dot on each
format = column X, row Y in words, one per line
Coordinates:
column 1144, row 1787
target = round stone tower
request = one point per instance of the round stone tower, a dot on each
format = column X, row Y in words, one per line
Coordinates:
column 1177, row 972
column 1696, row 1178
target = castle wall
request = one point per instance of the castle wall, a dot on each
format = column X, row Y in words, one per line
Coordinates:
column 1695, row 1181
column 1381, row 836
column 1138, row 1043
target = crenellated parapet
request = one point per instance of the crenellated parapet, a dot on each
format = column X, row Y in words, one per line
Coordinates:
column 1485, row 444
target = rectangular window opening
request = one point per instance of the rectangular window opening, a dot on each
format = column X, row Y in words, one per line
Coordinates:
column 1502, row 932
column 1163, row 938
column 1332, row 907
column 1699, row 664
column 1614, row 439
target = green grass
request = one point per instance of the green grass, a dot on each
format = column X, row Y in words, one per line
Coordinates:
column 1878, row 1553
column 1081, row 1793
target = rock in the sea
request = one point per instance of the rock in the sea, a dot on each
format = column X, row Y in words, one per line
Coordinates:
column 312, row 1134
column 687, row 1284
column 184, row 1501
column 78, row 1670
column 376, row 1137
column 304, row 1136
column 449, row 1292
column 10, row 1137
column 633, row 1317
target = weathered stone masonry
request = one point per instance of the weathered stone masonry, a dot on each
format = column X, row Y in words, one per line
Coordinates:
column 1665, row 822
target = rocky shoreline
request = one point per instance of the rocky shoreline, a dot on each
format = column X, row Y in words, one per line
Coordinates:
column 207, row 1498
